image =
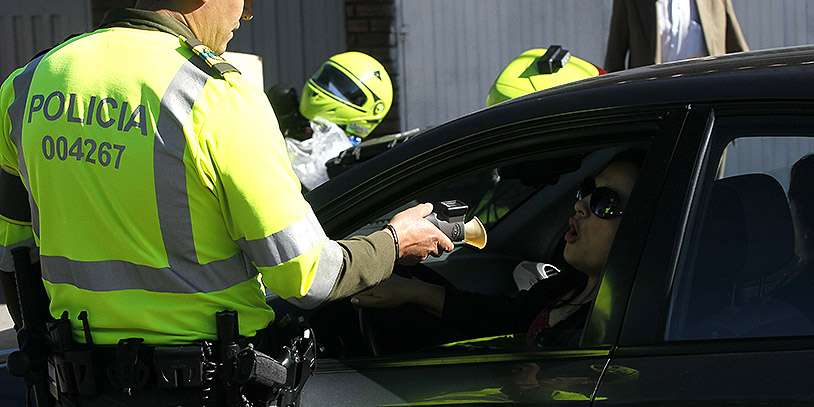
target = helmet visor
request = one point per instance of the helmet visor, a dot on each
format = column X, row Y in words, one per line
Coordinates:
column 338, row 84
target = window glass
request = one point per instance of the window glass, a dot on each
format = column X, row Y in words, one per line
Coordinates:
column 745, row 268
column 501, row 299
column 489, row 196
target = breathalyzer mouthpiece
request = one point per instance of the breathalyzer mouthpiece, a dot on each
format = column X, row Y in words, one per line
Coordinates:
column 449, row 217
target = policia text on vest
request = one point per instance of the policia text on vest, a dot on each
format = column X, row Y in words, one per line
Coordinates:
column 103, row 113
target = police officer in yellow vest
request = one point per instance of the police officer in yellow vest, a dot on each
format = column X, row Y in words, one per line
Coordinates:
column 160, row 192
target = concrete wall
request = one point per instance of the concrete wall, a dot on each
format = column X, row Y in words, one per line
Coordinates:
column 293, row 37
column 442, row 54
column 30, row 26
column 452, row 50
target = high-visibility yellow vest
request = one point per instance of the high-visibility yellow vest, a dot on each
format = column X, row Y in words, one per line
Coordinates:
column 160, row 190
column 13, row 233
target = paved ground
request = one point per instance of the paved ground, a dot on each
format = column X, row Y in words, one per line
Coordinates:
column 8, row 338
column 12, row 389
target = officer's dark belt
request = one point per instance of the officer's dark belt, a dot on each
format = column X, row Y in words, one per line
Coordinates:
column 133, row 369
column 128, row 367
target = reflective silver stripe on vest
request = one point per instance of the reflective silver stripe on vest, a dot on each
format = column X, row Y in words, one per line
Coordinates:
column 7, row 261
column 115, row 275
column 327, row 275
column 293, row 241
column 170, row 177
column 286, row 244
column 16, row 112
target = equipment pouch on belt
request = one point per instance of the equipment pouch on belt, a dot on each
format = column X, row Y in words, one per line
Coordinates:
column 179, row 367
column 242, row 366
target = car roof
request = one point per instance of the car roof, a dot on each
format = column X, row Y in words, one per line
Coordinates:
column 774, row 74
column 768, row 75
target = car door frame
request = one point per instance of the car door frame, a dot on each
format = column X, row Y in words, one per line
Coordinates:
column 643, row 331
column 542, row 136
column 651, row 292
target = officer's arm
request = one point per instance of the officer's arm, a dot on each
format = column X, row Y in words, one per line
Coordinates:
column 15, row 231
column 12, row 234
column 15, row 218
column 366, row 261
column 267, row 216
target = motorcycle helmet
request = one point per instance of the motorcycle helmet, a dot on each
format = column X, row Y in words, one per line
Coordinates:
column 538, row 69
column 351, row 89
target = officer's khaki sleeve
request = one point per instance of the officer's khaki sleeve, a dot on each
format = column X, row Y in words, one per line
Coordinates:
column 367, row 261
column 15, row 227
column 264, row 209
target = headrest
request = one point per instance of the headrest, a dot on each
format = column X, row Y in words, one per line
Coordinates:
column 747, row 230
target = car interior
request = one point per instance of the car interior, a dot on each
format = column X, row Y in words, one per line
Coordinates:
column 745, row 251
column 517, row 203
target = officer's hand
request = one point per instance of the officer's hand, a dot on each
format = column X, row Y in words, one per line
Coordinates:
column 418, row 238
column 389, row 293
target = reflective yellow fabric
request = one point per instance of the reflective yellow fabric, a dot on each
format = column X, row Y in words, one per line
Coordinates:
column 13, row 233
column 294, row 278
column 8, row 152
column 160, row 318
column 157, row 189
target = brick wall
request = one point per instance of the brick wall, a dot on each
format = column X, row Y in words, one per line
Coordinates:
column 370, row 28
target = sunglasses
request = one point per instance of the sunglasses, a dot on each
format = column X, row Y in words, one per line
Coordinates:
column 605, row 202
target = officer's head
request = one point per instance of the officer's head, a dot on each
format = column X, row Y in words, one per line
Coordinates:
column 212, row 21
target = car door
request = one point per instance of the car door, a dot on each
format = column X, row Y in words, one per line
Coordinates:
column 436, row 163
column 721, row 311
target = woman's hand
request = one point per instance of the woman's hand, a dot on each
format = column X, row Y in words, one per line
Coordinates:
column 392, row 292
column 398, row 290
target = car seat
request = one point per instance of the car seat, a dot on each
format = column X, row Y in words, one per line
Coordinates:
column 745, row 236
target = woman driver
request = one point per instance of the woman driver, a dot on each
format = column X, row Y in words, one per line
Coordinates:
column 562, row 300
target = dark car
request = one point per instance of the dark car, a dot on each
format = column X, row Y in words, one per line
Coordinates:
column 705, row 295
column 702, row 300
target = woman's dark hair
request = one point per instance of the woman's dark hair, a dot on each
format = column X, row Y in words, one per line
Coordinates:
column 801, row 192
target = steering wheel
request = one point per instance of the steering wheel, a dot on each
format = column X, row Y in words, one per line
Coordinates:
column 367, row 317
